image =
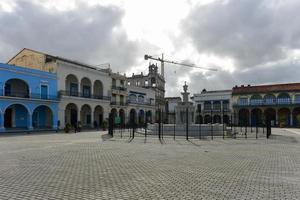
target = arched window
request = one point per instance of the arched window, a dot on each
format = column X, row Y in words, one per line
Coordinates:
column 284, row 98
column 132, row 98
column 270, row 99
column 256, row 100
column 141, row 99
column 243, row 101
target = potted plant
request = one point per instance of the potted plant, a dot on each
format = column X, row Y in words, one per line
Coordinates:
column 104, row 125
column 67, row 128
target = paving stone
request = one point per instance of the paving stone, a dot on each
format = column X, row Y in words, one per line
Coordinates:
column 83, row 166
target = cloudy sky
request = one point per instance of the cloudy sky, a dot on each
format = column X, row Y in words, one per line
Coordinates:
column 249, row 41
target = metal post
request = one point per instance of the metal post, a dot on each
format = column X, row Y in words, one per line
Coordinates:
column 159, row 124
column 256, row 131
column 211, row 125
column 223, row 122
column 187, row 123
column 174, row 125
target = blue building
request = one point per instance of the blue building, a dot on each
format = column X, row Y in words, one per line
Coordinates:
column 28, row 99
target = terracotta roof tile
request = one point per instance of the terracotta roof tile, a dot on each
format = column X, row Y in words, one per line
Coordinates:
column 266, row 88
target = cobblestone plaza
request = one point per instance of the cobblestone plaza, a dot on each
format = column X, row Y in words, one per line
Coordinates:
column 93, row 166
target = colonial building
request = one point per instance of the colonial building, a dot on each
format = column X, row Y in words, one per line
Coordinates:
column 118, row 96
column 28, row 99
column 280, row 103
column 153, row 80
column 213, row 106
column 84, row 90
column 141, row 105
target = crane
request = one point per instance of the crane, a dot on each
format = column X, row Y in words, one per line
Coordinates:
column 162, row 60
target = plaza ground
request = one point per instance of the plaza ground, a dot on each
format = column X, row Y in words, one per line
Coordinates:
column 93, row 166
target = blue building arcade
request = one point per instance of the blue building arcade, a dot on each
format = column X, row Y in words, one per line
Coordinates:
column 28, row 99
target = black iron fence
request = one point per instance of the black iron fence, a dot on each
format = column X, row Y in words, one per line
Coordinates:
column 28, row 95
column 191, row 130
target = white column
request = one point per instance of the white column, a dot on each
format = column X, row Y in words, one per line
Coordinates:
column 92, row 119
column 276, row 119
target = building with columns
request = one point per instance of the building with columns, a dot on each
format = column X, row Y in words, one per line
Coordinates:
column 154, row 81
column 28, row 99
column 84, row 90
column 280, row 103
column 212, row 106
column 140, row 105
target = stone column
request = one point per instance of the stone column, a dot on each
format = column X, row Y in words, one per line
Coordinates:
column 29, row 122
column 54, row 121
column 2, row 122
column 92, row 119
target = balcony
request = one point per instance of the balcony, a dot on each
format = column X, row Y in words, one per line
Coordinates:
column 274, row 102
column 116, row 103
column 34, row 96
column 121, row 88
column 140, row 103
column 83, row 95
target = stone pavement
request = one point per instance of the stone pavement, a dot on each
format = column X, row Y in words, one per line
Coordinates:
column 92, row 166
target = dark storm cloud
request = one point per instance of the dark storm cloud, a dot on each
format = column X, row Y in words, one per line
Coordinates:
column 89, row 34
column 251, row 32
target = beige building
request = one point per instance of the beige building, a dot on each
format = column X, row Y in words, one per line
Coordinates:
column 154, row 81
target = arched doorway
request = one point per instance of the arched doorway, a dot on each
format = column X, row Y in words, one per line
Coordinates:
column 284, row 117
column 225, row 119
column 243, row 117
column 199, row 119
column 141, row 117
column 132, row 117
column 207, row 119
column 149, row 116
column 16, row 116
column 42, row 117
column 296, row 117
column 270, row 114
column 217, row 119
column 122, row 116
column 98, row 115
column 85, row 116
column 71, row 85
column 71, row 114
column 16, row 88
column 256, row 117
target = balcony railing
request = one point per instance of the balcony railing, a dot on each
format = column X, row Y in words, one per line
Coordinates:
column 118, row 103
column 141, row 103
column 121, row 88
column 269, row 103
column 21, row 94
column 83, row 95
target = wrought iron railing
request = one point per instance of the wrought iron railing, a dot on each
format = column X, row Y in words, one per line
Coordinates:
column 268, row 102
column 27, row 95
column 83, row 95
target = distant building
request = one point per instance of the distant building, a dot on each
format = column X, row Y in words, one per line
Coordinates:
column 153, row 80
column 141, row 105
column 213, row 106
column 279, row 102
column 28, row 99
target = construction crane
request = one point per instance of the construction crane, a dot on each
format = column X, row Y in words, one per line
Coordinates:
column 162, row 60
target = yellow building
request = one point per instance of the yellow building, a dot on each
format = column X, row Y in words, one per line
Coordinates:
column 280, row 103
